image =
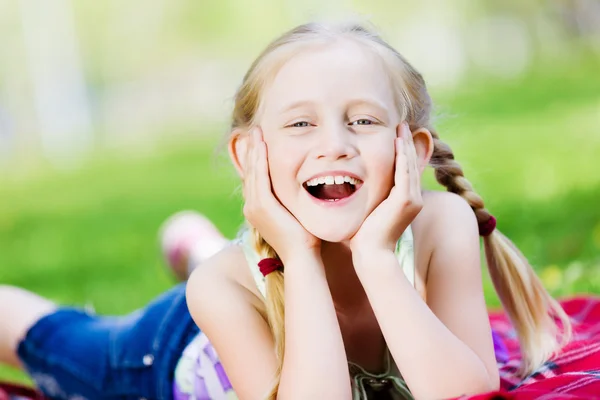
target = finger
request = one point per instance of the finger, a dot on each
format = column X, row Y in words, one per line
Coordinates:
column 256, row 142
column 400, row 175
column 266, row 200
column 406, row 136
column 250, row 168
column 263, row 179
column 415, row 176
column 411, row 149
column 249, row 139
column 413, row 169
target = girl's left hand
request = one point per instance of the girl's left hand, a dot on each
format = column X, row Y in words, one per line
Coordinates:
column 386, row 223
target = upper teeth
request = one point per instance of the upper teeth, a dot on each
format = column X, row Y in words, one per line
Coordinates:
column 331, row 180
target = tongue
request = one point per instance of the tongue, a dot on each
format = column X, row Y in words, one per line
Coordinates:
column 334, row 192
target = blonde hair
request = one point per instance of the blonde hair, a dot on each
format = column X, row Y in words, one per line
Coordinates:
column 531, row 309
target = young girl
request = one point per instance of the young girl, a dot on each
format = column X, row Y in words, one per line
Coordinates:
column 382, row 296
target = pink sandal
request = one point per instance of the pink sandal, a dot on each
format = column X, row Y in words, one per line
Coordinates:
column 187, row 239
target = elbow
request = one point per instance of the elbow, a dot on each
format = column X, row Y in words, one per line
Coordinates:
column 472, row 384
column 494, row 380
column 484, row 386
column 313, row 393
column 492, row 383
column 481, row 383
column 298, row 388
column 483, row 379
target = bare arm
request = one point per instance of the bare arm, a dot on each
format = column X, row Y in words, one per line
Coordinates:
column 315, row 365
column 450, row 337
column 225, row 312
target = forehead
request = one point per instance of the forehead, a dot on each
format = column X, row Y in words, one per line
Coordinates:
column 329, row 74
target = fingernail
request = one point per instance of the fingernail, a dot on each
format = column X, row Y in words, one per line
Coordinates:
column 401, row 135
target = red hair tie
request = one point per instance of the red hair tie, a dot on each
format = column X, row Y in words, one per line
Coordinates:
column 486, row 228
column 268, row 265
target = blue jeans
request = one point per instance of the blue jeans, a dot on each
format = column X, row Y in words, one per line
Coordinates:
column 72, row 354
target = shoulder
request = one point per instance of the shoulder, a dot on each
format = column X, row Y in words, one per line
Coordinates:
column 445, row 229
column 445, row 214
column 449, row 234
column 221, row 282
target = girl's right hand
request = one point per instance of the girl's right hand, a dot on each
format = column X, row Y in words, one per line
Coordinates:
column 262, row 210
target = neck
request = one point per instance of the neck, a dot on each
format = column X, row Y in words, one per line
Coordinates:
column 346, row 289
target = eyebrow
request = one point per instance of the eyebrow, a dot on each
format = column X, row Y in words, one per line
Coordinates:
column 296, row 104
column 351, row 103
column 369, row 102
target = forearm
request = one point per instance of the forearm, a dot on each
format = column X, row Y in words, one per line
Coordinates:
column 419, row 342
column 315, row 363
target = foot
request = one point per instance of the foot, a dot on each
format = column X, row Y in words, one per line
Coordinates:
column 187, row 239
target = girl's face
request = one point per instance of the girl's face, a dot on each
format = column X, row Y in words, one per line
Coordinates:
column 329, row 121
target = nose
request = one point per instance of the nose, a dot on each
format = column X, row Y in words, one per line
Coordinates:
column 336, row 142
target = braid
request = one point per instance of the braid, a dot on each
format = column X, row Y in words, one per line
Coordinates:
column 449, row 174
column 530, row 307
column 274, row 303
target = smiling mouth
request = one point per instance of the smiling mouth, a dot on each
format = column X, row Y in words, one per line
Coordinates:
column 332, row 188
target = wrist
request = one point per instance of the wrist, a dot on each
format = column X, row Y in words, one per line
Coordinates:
column 302, row 256
column 360, row 251
column 367, row 258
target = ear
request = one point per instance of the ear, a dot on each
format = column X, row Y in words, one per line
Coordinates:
column 238, row 146
column 423, row 141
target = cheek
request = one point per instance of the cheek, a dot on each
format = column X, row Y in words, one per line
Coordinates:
column 381, row 168
column 381, row 156
column 386, row 175
column 283, row 171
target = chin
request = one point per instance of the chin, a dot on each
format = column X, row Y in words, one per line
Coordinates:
column 331, row 231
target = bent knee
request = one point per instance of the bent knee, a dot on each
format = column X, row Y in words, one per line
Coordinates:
column 20, row 309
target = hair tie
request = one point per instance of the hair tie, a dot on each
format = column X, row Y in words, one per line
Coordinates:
column 268, row 265
column 486, row 228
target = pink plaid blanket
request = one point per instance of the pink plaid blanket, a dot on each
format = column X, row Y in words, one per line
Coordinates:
column 572, row 374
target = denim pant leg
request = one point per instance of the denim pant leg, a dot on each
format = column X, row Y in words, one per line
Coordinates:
column 74, row 355
column 172, row 328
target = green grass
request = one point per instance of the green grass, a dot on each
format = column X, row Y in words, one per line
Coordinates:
column 529, row 147
column 91, row 235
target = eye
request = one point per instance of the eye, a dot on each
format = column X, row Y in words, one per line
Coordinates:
column 299, row 124
column 362, row 121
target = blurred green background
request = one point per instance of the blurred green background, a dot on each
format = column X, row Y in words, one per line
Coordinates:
column 112, row 115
